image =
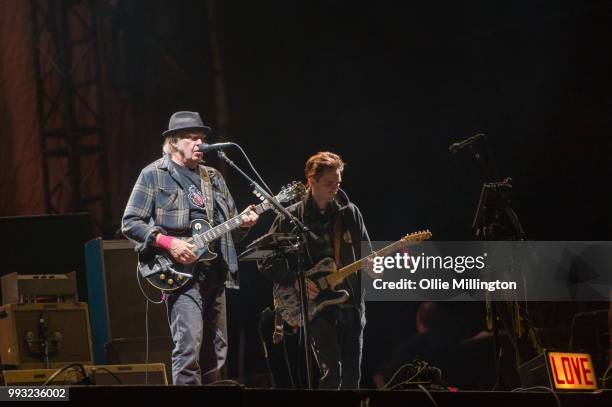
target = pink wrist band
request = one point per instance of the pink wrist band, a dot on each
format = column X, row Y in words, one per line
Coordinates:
column 165, row 242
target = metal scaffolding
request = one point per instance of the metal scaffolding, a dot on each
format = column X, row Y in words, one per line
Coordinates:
column 70, row 114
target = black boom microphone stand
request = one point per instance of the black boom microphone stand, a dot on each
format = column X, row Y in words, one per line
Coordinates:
column 301, row 232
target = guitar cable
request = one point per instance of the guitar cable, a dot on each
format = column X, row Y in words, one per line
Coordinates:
column 265, row 351
column 287, row 363
column 142, row 289
column 147, row 301
column 147, row 342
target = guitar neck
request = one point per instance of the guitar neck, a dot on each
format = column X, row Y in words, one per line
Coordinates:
column 339, row 276
column 226, row 227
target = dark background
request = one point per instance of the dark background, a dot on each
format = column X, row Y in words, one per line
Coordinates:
column 389, row 88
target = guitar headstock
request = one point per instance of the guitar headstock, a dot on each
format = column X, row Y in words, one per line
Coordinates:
column 291, row 192
column 417, row 236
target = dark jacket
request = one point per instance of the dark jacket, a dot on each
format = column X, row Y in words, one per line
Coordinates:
column 158, row 204
column 354, row 236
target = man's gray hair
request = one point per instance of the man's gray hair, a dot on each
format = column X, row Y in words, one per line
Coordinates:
column 167, row 148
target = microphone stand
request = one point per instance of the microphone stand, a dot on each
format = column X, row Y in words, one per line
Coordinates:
column 484, row 229
column 302, row 231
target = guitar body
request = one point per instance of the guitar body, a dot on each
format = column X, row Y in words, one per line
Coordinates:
column 205, row 253
column 287, row 299
column 326, row 276
column 171, row 275
column 160, row 269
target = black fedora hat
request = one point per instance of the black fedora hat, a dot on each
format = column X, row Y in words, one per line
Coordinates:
column 180, row 121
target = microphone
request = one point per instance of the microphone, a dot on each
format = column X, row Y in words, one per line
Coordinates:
column 462, row 144
column 210, row 147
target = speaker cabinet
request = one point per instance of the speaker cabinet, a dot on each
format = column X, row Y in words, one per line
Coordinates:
column 26, row 328
column 152, row 373
column 117, row 306
column 36, row 377
column 133, row 350
column 105, row 375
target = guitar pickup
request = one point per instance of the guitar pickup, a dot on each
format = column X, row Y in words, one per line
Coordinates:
column 180, row 273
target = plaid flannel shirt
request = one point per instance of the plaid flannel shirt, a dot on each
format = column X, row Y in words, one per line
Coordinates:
column 158, row 204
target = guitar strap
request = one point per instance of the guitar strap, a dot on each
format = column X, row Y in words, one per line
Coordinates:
column 206, row 187
column 337, row 239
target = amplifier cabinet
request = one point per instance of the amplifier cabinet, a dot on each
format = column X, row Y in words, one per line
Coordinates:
column 152, row 373
column 36, row 377
column 117, row 306
column 26, row 329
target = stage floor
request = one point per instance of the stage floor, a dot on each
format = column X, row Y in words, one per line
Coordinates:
column 235, row 395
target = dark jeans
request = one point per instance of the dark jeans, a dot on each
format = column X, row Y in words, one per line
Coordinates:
column 337, row 337
column 199, row 331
